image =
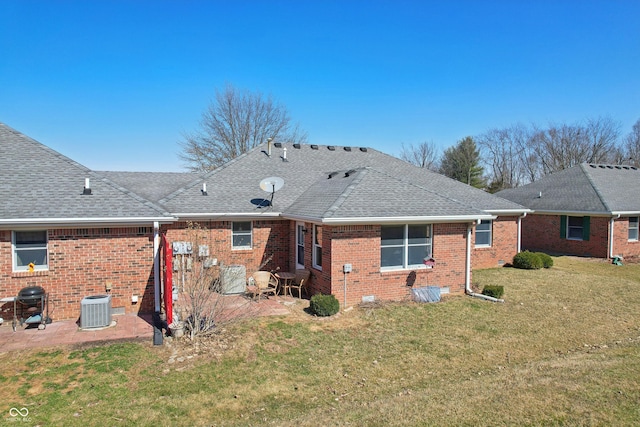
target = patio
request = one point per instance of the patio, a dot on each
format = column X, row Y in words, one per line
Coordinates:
column 125, row 327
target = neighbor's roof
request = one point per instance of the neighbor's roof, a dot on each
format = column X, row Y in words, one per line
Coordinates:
column 587, row 188
column 39, row 186
column 391, row 188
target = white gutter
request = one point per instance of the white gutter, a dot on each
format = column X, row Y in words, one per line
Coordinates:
column 611, row 221
column 401, row 219
column 222, row 216
column 519, row 248
column 28, row 222
column 467, row 284
column 156, row 265
column 572, row 213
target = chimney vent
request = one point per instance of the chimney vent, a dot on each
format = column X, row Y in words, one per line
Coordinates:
column 87, row 187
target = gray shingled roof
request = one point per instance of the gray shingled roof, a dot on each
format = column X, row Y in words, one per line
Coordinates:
column 397, row 187
column 586, row 188
column 40, row 185
column 153, row 186
column 369, row 193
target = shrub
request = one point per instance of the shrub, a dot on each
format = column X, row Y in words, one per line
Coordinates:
column 324, row 305
column 547, row 261
column 495, row 291
column 527, row 260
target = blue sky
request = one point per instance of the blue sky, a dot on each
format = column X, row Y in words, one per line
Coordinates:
column 114, row 84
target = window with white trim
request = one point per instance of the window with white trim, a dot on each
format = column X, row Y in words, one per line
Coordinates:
column 633, row 228
column 483, row 233
column 241, row 235
column 317, row 247
column 300, row 244
column 30, row 247
column 404, row 246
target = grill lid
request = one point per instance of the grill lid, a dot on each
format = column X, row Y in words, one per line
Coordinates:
column 30, row 293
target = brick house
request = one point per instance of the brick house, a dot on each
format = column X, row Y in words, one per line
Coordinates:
column 88, row 231
column 587, row 210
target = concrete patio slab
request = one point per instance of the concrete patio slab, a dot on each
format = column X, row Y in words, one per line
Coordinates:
column 125, row 327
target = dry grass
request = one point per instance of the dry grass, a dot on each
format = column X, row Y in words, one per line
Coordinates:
column 562, row 350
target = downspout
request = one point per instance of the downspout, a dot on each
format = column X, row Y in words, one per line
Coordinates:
column 467, row 286
column 520, row 231
column 156, row 266
column 611, row 221
column 157, row 321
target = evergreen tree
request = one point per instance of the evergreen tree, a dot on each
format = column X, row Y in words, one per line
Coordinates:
column 462, row 162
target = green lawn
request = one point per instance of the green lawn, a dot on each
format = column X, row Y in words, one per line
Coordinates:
column 562, row 350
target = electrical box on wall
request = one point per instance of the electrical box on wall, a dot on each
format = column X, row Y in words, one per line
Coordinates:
column 203, row 251
column 182, row 248
column 347, row 268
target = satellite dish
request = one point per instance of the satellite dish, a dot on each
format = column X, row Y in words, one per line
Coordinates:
column 271, row 184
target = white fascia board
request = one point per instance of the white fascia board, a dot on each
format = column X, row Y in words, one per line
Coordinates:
column 225, row 216
column 572, row 213
column 83, row 222
column 406, row 219
column 509, row 212
column 625, row 213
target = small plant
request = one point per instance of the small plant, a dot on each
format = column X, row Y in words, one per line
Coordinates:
column 494, row 291
column 527, row 260
column 324, row 305
column 547, row 261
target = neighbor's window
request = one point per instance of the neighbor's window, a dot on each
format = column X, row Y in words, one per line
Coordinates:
column 574, row 227
column 404, row 246
column 317, row 246
column 483, row 233
column 30, row 247
column 241, row 235
column 633, row 228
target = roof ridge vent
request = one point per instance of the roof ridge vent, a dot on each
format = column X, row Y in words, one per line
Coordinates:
column 296, row 145
column 363, row 149
column 277, row 144
column 314, row 146
column 331, row 147
column 347, row 148
column 349, row 172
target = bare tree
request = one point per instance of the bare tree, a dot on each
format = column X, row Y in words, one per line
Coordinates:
column 632, row 145
column 424, row 155
column 563, row 146
column 234, row 123
column 505, row 154
column 201, row 309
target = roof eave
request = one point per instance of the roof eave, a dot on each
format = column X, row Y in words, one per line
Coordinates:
column 213, row 216
column 81, row 222
column 406, row 219
column 575, row 213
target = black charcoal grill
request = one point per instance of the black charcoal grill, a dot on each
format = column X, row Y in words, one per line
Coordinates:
column 33, row 302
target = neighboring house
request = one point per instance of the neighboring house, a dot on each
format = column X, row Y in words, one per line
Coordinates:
column 587, row 210
column 337, row 206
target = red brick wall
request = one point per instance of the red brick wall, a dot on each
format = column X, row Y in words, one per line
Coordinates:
column 542, row 233
column 622, row 245
column 359, row 245
column 504, row 244
column 81, row 262
column 270, row 239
